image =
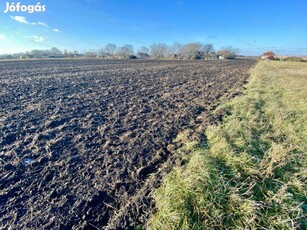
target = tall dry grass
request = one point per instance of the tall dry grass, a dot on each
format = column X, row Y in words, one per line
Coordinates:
column 252, row 171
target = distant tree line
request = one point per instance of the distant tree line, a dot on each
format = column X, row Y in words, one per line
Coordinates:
column 194, row 50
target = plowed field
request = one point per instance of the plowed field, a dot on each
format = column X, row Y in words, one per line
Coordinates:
column 79, row 138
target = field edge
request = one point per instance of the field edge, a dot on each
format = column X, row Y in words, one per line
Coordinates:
column 249, row 173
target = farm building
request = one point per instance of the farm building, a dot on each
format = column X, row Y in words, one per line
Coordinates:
column 269, row 56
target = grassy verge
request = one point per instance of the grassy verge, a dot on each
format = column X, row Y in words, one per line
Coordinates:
column 252, row 171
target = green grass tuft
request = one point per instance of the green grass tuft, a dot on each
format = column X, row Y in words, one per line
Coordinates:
column 251, row 174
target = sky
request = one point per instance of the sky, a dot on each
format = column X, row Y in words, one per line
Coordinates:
column 252, row 26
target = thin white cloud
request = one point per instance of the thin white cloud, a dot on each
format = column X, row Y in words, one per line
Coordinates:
column 20, row 19
column 37, row 39
column 56, row 30
column 23, row 20
column 2, row 37
column 41, row 24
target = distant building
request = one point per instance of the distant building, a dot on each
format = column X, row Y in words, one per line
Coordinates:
column 213, row 56
column 269, row 56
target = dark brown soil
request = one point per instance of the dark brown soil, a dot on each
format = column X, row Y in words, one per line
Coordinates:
column 79, row 138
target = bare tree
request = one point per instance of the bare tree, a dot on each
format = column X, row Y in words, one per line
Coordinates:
column 190, row 50
column 71, row 54
column 159, row 50
column 65, row 52
column 207, row 49
column 125, row 51
column 143, row 49
column 101, row 53
column 176, row 48
column 110, row 49
column 90, row 54
column 40, row 53
column 55, row 51
column 143, row 52
column 228, row 52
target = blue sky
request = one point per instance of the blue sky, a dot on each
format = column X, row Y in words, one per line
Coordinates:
column 252, row 26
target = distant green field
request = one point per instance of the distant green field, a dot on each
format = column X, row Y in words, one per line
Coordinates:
column 251, row 173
